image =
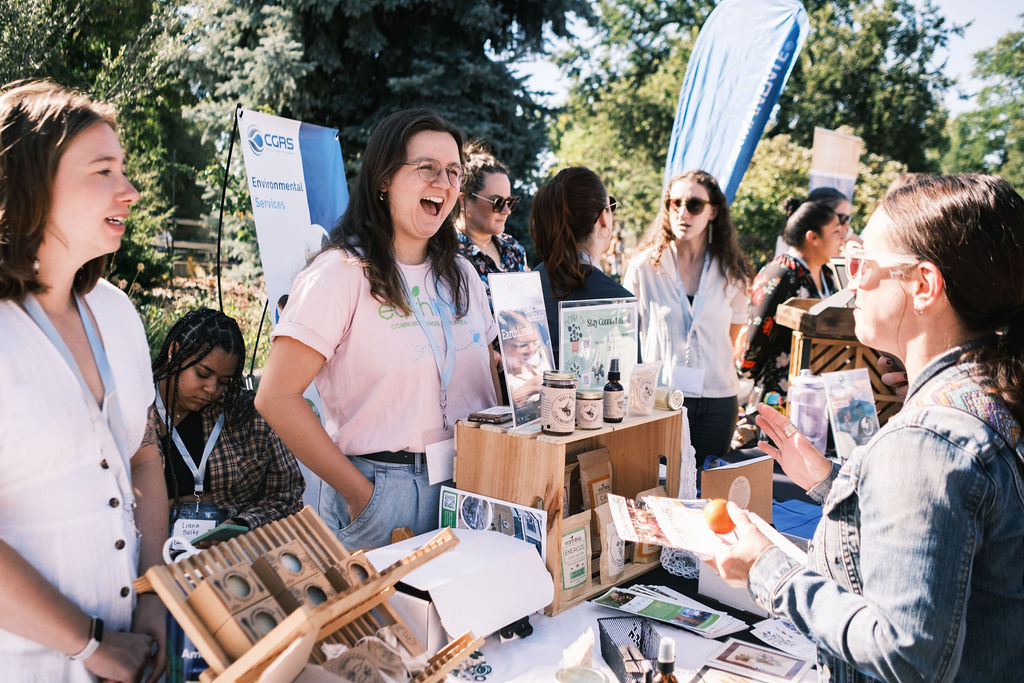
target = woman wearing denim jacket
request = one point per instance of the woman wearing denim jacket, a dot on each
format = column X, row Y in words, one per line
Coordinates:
column 915, row 571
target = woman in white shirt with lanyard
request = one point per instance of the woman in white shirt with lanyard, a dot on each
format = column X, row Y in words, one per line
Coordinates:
column 814, row 234
column 395, row 327
column 83, row 508
column 690, row 279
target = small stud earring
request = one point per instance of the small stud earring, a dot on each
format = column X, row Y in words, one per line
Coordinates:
column 35, row 266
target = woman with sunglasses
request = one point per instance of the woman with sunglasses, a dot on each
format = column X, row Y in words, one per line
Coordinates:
column 571, row 224
column 394, row 326
column 915, row 567
column 828, row 196
column 690, row 279
column 814, row 236
column 485, row 203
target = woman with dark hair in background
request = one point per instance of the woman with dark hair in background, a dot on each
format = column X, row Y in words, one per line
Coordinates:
column 690, row 279
column 826, row 196
column 571, row 225
column 485, row 203
column 394, row 326
column 83, row 509
column 914, row 572
column 814, row 236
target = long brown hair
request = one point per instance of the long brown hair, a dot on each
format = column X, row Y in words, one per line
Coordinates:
column 724, row 246
column 561, row 221
column 38, row 120
column 972, row 228
column 366, row 228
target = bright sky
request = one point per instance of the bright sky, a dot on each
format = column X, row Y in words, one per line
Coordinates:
column 990, row 20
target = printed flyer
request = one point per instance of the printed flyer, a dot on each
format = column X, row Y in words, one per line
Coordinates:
column 524, row 340
column 464, row 510
column 594, row 332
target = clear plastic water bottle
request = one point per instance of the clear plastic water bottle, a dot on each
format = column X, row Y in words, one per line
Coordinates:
column 807, row 409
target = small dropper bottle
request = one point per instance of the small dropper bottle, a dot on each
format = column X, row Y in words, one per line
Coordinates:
column 614, row 396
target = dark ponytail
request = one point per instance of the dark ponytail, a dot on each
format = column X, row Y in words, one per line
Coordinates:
column 561, row 221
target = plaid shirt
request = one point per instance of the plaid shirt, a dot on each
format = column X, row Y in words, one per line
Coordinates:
column 250, row 473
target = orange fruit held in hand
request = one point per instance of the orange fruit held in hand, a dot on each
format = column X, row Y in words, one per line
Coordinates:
column 717, row 516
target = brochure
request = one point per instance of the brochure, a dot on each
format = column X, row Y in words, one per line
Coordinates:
column 524, row 339
column 851, row 409
column 680, row 524
column 684, row 612
column 464, row 510
column 594, row 332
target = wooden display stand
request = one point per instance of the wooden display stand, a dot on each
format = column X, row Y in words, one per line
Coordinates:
column 354, row 608
column 528, row 468
column 826, row 343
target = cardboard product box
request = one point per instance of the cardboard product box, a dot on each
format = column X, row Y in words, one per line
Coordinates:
column 749, row 484
column 486, row 582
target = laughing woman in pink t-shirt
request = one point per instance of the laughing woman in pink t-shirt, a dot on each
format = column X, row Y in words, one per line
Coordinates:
column 394, row 327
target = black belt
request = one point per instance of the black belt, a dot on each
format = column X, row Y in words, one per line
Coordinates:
column 392, row 457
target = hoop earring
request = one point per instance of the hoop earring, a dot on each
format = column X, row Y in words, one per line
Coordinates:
column 380, row 196
column 35, row 267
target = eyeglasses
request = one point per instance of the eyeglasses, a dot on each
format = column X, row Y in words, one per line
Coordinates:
column 430, row 170
column 860, row 265
column 694, row 205
column 498, row 204
column 844, row 218
column 613, row 203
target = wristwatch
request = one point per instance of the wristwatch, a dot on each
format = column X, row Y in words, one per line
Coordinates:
column 95, row 636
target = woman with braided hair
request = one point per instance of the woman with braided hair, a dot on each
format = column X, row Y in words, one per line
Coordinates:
column 222, row 462
column 219, row 453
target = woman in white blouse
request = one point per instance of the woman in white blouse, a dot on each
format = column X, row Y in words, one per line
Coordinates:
column 690, row 280
column 83, row 507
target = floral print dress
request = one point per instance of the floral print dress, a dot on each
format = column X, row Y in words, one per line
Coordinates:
column 766, row 352
column 513, row 257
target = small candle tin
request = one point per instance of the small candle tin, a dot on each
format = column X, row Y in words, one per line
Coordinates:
column 558, row 403
column 589, row 409
column 668, row 398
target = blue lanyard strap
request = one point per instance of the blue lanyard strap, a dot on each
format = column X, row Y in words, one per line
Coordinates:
column 198, row 472
column 99, row 354
column 446, row 362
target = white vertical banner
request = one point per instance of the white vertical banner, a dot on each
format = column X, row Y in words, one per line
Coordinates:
column 296, row 180
column 834, row 159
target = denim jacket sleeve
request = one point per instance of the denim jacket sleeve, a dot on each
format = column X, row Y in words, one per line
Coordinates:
column 890, row 564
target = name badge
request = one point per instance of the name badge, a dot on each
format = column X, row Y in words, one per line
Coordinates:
column 188, row 529
column 688, row 380
column 440, row 461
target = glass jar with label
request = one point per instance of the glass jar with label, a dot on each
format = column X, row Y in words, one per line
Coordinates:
column 558, row 403
column 589, row 409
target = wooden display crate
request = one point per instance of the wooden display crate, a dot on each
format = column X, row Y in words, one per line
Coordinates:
column 528, row 468
column 357, row 610
column 826, row 343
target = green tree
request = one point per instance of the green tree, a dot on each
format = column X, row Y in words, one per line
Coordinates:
column 871, row 66
column 990, row 139
column 113, row 52
column 347, row 65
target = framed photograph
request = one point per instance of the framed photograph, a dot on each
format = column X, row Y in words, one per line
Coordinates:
column 524, row 340
column 851, row 409
column 594, row 332
column 758, row 662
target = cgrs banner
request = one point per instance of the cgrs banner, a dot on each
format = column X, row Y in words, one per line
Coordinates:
column 296, row 180
column 738, row 67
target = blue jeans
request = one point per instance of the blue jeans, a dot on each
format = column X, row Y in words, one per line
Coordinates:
column 401, row 497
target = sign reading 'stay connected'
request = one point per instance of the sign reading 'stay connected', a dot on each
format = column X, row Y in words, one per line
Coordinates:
column 296, row 181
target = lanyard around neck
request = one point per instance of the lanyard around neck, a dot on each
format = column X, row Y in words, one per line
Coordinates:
column 198, row 472
column 446, row 362
column 692, row 311
column 99, row 354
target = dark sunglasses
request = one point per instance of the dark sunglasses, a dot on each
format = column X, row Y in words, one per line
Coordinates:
column 844, row 218
column 694, row 205
column 498, row 204
column 613, row 203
